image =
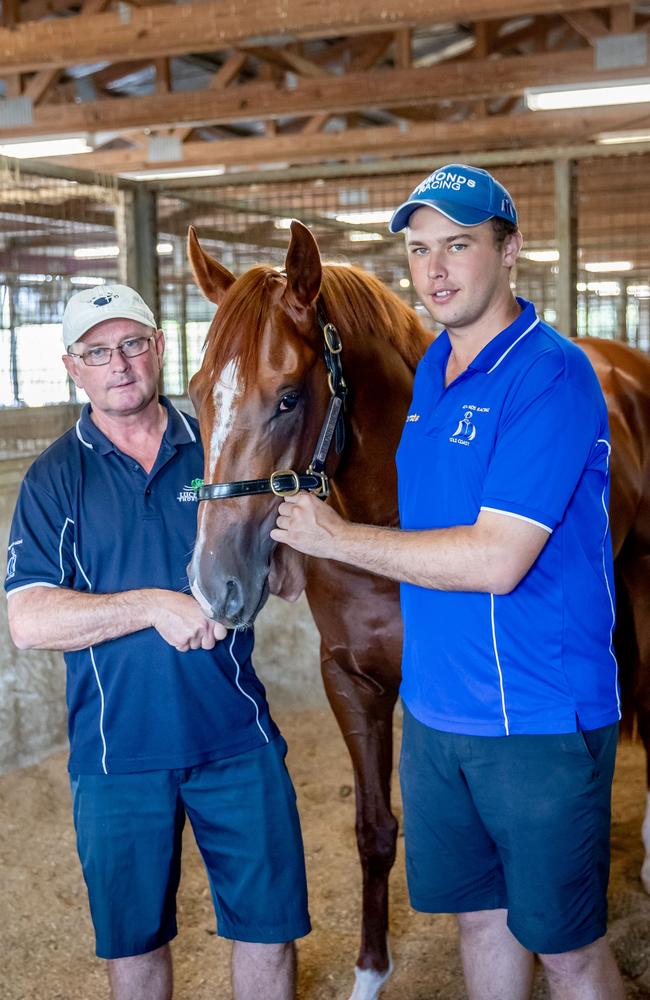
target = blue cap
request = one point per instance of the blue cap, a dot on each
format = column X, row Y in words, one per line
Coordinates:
column 466, row 195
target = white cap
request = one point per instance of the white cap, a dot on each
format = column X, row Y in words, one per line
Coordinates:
column 93, row 305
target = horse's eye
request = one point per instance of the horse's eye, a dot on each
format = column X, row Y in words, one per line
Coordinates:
column 288, row 402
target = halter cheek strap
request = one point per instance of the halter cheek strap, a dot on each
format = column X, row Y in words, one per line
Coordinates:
column 286, row 482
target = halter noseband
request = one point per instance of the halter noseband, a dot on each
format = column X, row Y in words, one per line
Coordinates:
column 286, row 482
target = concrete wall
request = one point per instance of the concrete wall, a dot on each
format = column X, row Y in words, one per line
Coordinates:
column 32, row 683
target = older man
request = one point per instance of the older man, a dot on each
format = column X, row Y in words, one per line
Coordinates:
column 166, row 716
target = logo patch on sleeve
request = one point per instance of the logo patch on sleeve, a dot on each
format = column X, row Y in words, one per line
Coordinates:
column 12, row 558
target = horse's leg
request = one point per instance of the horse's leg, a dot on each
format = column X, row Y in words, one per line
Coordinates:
column 364, row 712
column 636, row 574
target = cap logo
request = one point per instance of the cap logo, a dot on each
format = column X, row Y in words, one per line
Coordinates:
column 508, row 208
column 104, row 300
column 444, row 181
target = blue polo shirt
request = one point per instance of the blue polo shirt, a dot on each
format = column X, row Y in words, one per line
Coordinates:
column 523, row 431
column 90, row 518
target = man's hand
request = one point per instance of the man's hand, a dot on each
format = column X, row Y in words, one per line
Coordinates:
column 180, row 621
column 308, row 525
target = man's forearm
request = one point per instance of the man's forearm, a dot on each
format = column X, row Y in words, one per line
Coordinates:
column 57, row 618
column 458, row 558
column 490, row 556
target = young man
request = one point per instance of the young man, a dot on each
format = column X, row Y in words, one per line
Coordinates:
column 509, row 679
column 166, row 716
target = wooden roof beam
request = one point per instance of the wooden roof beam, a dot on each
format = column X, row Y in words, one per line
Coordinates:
column 45, row 79
column 209, row 26
column 462, row 81
column 403, row 52
column 587, row 23
column 621, row 19
column 224, row 76
column 489, row 132
column 285, row 59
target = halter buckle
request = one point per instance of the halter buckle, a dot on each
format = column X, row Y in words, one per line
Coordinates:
column 336, row 390
column 332, row 338
column 323, row 490
column 291, row 492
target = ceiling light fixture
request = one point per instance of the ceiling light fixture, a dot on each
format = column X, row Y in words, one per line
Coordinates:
column 617, row 138
column 370, row 218
column 607, row 266
column 358, row 236
column 588, row 95
column 97, row 253
column 609, row 288
column 44, row 147
column 541, row 256
column 174, row 173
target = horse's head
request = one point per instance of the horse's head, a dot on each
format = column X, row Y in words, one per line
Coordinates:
column 261, row 394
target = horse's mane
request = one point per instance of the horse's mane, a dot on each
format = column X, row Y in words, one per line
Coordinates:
column 353, row 299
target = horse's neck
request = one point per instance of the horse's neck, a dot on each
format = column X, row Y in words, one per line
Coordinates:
column 381, row 383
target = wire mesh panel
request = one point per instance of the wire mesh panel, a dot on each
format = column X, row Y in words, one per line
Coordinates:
column 614, row 259
column 242, row 225
column 56, row 236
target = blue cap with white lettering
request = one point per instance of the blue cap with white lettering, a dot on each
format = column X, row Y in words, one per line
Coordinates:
column 466, row 195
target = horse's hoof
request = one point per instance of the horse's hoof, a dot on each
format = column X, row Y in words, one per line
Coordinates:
column 368, row 983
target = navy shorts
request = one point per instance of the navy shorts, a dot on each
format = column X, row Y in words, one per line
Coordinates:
column 244, row 817
column 516, row 822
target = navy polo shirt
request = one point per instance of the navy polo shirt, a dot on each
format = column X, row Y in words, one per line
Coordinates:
column 90, row 518
column 523, row 431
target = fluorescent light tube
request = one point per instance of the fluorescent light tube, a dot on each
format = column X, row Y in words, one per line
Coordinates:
column 46, row 147
column 588, row 95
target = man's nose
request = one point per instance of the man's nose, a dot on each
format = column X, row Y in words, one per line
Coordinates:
column 119, row 363
column 436, row 266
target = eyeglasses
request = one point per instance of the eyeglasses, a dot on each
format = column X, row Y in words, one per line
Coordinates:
column 130, row 348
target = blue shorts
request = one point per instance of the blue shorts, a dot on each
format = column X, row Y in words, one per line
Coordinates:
column 244, row 817
column 516, row 822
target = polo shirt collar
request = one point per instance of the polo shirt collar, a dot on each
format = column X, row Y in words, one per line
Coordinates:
column 177, row 432
column 497, row 349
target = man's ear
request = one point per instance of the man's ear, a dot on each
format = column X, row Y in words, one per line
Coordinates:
column 160, row 344
column 70, row 366
column 511, row 247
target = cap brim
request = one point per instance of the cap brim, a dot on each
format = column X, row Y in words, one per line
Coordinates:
column 461, row 214
column 84, row 326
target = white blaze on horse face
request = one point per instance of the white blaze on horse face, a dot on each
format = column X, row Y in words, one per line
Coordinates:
column 225, row 393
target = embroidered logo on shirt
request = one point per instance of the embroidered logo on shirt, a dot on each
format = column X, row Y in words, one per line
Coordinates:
column 12, row 558
column 466, row 429
column 187, row 495
column 412, row 418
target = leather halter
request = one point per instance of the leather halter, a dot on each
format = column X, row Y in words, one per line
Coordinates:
column 286, row 482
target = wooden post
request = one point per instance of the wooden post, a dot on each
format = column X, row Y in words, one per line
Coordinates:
column 566, row 234
column 182, row 333
column 136, row 227
column 13, row 344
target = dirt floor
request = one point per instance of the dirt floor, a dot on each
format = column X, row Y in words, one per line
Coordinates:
column 46, row 944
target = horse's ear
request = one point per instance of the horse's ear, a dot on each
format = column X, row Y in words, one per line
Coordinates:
column 303, row 267
column 213, row 278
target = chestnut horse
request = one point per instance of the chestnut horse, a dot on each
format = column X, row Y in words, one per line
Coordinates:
column 263, row 394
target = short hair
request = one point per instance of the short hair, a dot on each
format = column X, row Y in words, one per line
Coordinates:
column 502, row 228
